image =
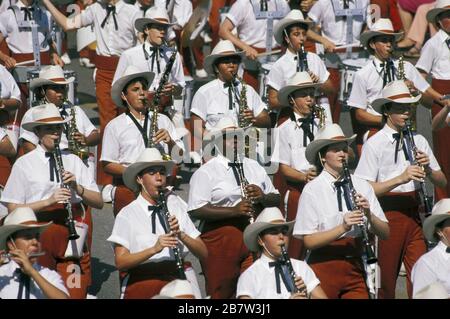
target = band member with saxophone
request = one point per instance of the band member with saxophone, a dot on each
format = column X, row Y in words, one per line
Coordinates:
column 127, row 135
column 44, row 194
column 326, row 219
column 435, row 60
column 283, row 277
column 381, row 69
column 396, row 170
column 27, row 279
column 222, row 97
column 303, row 118
column 216, row 199
column 290, row 32
column 147, row 232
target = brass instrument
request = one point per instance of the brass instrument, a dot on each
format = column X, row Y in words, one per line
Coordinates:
column 426, row 199
column 243, row 184
column 70, row 223
column 287, row 261
column 74, row 146
column 319, row 112
column 402, row 76
column 243, row 105
column 162, row 205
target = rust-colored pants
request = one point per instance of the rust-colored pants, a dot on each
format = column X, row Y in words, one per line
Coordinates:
column 441, row 141
column 405, row 244
column 335, row 105
column 214, row 19
column 122, row 197
column 296, row 247
column 388, row 9
column 228, row 257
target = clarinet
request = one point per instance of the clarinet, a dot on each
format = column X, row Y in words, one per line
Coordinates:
column 426, row 199
column 303, row 60
column 70, row 223
column 163, row 81
column 162, row 204
column 286, row 260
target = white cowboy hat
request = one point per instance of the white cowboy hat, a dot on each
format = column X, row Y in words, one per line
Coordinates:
column 148, row 158
column 176, row 289
column 19, row 219
column 131, row 73
column 441, row 6
column 270, row 217
column 222, row 49
column 380, row 27
column 440, row 212
column 433, row 291
column 223, row 124
column 45, row 114
column 293, row 17
column 395, row 91
column 327, row 135
column 85, row 37
column 300, row 80
column 154, row 15
column 50, row 75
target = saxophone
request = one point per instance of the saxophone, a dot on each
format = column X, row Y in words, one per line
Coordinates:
column 402, row 76
column 243, row 105
column 74, row 146
column 319, row 112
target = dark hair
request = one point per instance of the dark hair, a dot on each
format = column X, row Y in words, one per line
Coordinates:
column 317, row 162
column 141, row 80
column 289, row 28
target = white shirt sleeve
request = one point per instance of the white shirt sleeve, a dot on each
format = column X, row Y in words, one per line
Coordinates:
column 199, row 105
column 12, row 91
column 246, row 284
column 434, row 165
column 275, row 78
column 257, row 104
column 200, row 189
column 177, row 72
column 425, row 61
column 323, row 73
column 316, row 12
column 414, row 75
column 54, row 278
column 307, row 221
column 85, row 125
column 237, row 13
column 422, row 275
column 368, row 164
column 2, row 133
column 284, row 149
column 110, row 148
column 15, row 189
column 122, row 231
column 86, row 17
column 309, row 277
column 358, row 95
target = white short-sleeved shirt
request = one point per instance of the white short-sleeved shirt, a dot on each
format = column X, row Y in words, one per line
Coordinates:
column 136, row 56
column 123, row 142
column 318, row 210
column 435, row 57
column 8, row 86
column 368, row 83
column 20, row 41
column 182, row 10
column 214, row 183
column 211, row 103
column 334, row 28
column 109, row 40
column 250, row 283
column 288, row 141
column 286, row 67
column 10, row 282
column 133, row 227
column 84, row 126
column 250, row 30
column 432, row 267
column 377, row 162
column 2, row 133
column 30, row 178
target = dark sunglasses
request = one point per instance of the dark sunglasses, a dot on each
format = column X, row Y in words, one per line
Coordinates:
column 277, row 230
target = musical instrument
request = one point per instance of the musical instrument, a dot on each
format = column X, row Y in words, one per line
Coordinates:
column 347, row 71
column 319, row 112
column 73, row 145
column 427, row 200
column 263, row 79
column 401, row 75
column 370, row 257
column 287, row 261
column 162, row 205
column 31, row 255
column 70, row 223
column 243, row 181
column 301, row 56
column 71, row 93
column 243, row 105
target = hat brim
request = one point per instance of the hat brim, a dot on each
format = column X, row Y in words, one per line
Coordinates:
column 210, row 60
column 38, row 82
column 130, row 173
column 216, row 133
column 140, row 23
column 8, row 230
column 119, row 84
column 283, row 24
column 315, row 146
column 366, row 36
column 433, row 13
column 430, row 223
column 30, row 126
column 252, row 232
column 283, row 94
column 378, row 104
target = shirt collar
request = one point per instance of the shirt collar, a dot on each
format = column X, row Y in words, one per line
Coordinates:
column 329, row 179
column 41, row 153
column 443, row 36
column 20, row 4
column 143, row 204
column 388, row 131
column 441, row 247
column 223, row 160
column 266, row 260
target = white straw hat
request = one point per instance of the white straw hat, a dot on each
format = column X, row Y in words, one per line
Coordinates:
column 50, row 75
column 222, row 49
column 154, row 15
column 223, row 124
column 380, row 27
column 45, row 114
column 440, row 212
column 300, row 80
column 176, row 289
column 395, row 91
column 293, row 17
column 441, row 6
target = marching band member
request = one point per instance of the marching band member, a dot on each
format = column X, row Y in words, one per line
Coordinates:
column 44, row 191
column 6, row 147
column 435, row 60
column 215, row 198
column 434, row 266
column 19, row 237
column 127, row 135
column 147, row 256
column 290, row 32
column 265, row 236
column 327, row 222
column 395, row 167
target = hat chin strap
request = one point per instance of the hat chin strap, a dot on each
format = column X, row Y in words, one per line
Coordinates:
column 266, row 250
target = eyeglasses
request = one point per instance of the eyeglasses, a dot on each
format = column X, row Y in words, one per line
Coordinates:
column 277, row 230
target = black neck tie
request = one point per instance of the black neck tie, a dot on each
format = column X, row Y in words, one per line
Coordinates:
column 27, row 13
column 110, row 9
column 345, row 4
column 230, row 86
column 447, row 250
column 388, row 72
column 448, row 43
column 343, row 186
column 281, row 271
column 263, row 5
column 302, row 63
column 144, row 10
column 399, row 137
column 156, row 211
column 52, row 166
column 24, row 281
column 156, row 55
column 306, row 125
